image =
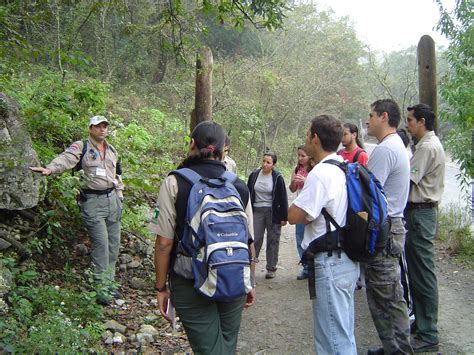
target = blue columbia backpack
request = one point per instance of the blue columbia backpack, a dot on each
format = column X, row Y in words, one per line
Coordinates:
column 216, row 236
column 367, row 225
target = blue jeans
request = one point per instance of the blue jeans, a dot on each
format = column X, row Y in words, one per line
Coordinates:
column 299, row 232
column 333, row 307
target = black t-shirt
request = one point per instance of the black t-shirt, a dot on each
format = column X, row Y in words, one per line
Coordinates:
column 211, row 169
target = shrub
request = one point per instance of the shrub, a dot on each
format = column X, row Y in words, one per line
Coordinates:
column 455, row 232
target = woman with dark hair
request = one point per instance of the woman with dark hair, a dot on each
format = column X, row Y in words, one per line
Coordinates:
column 353, row 148
column 270, row 209
column 298, row 178
column 211, row 326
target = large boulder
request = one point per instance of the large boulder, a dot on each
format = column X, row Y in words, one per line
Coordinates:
column 20, row 188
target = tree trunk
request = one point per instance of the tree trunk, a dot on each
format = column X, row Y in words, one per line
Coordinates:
column 427, row 86
column 203, row 96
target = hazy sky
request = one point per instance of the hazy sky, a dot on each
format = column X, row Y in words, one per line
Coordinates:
column 389, row 25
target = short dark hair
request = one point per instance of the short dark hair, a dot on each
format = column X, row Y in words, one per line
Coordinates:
column 329, row 131
column 392, row 109
column 424, row 111
column 271, row 155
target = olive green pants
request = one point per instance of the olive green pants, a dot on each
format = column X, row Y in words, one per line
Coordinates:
column 419, row 249
column 385, row 295
column 101, row 214
column 212, row 327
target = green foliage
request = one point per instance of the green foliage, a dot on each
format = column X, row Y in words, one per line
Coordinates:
column 48, row 334
column 456, row 87
column 46, row 318
column 455, row 232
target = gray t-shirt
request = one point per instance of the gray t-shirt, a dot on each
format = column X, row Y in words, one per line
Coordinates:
column 263, row 190
column 390, row 165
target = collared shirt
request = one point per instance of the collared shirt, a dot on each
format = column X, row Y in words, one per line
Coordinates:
column 427, row 167
column 165, row 221
column 230, row 164
column 390, row 165
column 99, row 171
column 325, row 187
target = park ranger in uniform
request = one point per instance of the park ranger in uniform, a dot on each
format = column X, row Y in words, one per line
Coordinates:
column 100, row 199
column 427, row 167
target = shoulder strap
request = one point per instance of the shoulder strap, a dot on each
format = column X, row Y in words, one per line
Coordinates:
column 325, row 213
column 329, row 219
column 356, row 156
column 84, row 151
column 341, row 165
column 187, row 174
column 231, row 177
column 112, row 148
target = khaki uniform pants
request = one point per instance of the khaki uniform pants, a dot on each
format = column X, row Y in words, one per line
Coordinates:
column 102, row 215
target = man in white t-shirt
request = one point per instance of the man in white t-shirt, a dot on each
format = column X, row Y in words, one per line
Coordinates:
column 335, row 275
column 390, row 165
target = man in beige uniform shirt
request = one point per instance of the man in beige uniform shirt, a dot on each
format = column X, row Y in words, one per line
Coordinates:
column 101, row 199
column 427, row 167
column 229, row 163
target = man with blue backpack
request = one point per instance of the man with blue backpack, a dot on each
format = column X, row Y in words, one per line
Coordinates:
column 204, row 252
column 390, row 165
column 322, row 205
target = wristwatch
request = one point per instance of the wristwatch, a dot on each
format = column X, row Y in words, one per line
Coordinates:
column 161, row 289
column 254, row 259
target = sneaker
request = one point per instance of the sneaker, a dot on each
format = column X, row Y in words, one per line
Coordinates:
column 421, row 346
column 303, row 275
column 270, row 275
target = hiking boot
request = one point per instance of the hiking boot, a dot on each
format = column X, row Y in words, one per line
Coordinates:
column 421, row 346
column 116, row 294
column 378, row 351
column 103, row 300
column 303, row 275
column 270, row 275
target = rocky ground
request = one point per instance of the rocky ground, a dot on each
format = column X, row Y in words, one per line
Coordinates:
column 281, row 320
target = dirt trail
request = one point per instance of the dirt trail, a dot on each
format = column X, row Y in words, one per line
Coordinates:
column 281, row 320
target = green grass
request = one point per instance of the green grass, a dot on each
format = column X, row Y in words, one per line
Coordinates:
column 456, row 234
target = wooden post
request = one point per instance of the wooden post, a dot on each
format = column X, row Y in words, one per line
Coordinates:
column 427, row 85
column 203, row 95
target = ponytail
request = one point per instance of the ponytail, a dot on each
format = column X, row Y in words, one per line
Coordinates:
column 209, row 138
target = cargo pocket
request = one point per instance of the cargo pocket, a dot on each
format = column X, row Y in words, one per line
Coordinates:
column 382, row 271
column 397, row 238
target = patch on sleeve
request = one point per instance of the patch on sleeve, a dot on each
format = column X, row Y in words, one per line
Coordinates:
column 414, row 170
column 156, row 214
column 74, row 147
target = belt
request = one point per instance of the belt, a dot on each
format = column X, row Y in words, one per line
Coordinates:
column 98, row 192
column 421, row 205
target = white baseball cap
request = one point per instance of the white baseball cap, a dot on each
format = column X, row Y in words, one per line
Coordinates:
column 96, row 120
